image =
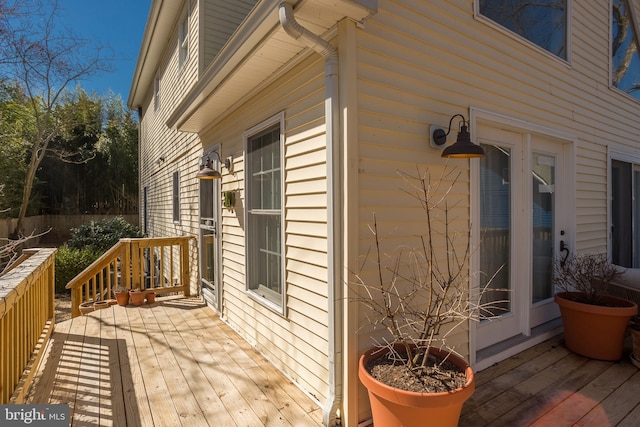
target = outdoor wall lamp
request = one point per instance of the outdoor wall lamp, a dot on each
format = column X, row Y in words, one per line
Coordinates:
column 206, row 170
column 463, row 148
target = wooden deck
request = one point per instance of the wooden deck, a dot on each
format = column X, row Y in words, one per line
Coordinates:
column 548, row 385
column 168, row 364
column 175, row 363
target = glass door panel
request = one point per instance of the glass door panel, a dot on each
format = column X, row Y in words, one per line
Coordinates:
column 543, row 213
column 495, row 230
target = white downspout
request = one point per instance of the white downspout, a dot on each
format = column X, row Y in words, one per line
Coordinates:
column 332, row 407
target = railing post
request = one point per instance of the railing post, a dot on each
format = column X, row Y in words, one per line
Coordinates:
column 126, row 261
column 184, row 267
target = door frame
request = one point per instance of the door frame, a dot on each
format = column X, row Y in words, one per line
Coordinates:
column 216, row 302
column 566, row 216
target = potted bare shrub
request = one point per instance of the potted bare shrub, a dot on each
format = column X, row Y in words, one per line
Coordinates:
column 594, row 323
column 418, row 295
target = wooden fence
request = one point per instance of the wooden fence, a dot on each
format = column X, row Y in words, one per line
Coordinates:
column 26, row 321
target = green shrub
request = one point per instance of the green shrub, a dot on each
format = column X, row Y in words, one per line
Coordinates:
column 70, row 262
column 102, row 235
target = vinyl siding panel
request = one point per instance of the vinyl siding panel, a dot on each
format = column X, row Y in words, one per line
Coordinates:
column 297, row 342
column 221, row 18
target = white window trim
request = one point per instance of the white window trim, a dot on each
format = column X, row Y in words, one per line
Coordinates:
column 281, row 307
column 566, row 62
column 622, row 155
column 183, row 37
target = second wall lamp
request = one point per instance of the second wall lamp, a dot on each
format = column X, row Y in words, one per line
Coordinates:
column 206, row 170
column 463, row 148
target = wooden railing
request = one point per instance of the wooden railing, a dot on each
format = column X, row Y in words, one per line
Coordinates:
column 26, row 321
column 159, row 263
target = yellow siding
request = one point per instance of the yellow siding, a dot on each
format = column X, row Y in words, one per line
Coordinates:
column 297, row 342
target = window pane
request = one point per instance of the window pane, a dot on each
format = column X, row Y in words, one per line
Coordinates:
column 266, row 259
column 495, row 228
column 624, row 50
column 176, row 197
column 264, row 227
column 264, row 170
column 542, row 22
column 621, row 214
column 543, row 193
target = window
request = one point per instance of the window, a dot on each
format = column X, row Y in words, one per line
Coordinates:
column 625, row 73
column 625, row 213
column 542, row 22
column 183, row 39
column 176, row 197
column 156, row 93
column 264, row 214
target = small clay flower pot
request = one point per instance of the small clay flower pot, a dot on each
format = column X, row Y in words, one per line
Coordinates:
column 86, row 307
column 122, row 297
column 151, row 297
column 136, row 297
column 99, row 305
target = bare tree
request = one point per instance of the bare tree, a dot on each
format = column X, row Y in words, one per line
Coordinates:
column 46, row 61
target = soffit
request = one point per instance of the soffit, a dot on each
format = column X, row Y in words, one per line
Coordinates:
column 258, row 50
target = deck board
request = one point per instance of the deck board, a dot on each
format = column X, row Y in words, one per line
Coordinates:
column 547, row 385
column 172, row 363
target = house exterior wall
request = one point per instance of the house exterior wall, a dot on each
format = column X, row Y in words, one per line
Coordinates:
column 164, row 151
column 410, row 65
column 295, row 342
column 420, row 62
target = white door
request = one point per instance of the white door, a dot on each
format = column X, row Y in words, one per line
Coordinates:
column 522, row 219
column 209, row 198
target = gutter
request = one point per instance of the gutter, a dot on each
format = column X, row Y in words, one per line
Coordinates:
column 331, row 410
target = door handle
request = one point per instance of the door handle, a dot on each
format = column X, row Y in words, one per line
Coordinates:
column 564, row 248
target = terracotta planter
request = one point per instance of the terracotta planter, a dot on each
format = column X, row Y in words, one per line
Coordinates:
column 86, row 307
column 151, row 297
column 595, row 331
column 392, row 407
column 99, row 305
column 136, row 297
column 122, row 298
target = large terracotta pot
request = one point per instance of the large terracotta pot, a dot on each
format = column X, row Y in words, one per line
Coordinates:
column 595, row 331
column 392, row 407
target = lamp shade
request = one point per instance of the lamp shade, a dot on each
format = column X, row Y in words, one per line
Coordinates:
column 206, row 172
column 463, row 148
